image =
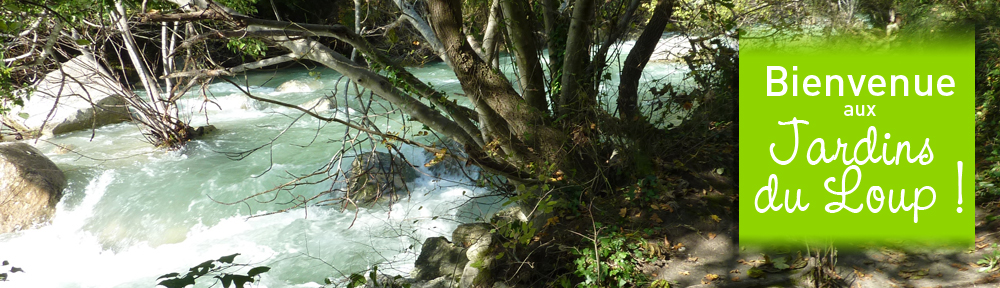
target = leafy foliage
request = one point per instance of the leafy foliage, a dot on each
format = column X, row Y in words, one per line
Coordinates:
column 8, row 98
column 372, row 280
column 990, row 261
column 247, row 47
column 3, row 275
column 614, row 264
column 217, row 269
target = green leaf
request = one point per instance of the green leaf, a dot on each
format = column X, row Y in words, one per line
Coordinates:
column 356, row 280
column 227, row 280
column 258, row 270
column 327, row 281
column 168, row 275
column 228, row 259
column 177, row 282
column 5, row 263
column 241, row 280
column 780, row 263
column 82, row 42
column 23, row 115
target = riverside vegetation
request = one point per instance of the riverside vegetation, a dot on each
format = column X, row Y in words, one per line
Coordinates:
column 609, row 180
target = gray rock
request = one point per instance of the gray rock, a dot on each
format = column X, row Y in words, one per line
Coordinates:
column 477, row 238
column 30, row 187
column 471, row 234
column 446, row 165
column 439, row 258
column 299, row 86
column 378, row 175
column 80, row 96
column 510, row 213
column 320, row 104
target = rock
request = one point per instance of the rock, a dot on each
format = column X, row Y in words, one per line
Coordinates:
column 80, row 95
column 439, row 258
column 30, row 187
column 63, row 149
column 477, row 237
column 299, row 86
column 320, row 104
column 445, row 165
column 470, row 234
column 510, row 213
column 378, row 175
column 198, row 132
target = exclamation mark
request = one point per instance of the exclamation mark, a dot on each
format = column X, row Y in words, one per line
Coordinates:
column 959, row 186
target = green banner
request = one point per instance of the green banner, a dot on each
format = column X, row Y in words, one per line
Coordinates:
column 851, row 146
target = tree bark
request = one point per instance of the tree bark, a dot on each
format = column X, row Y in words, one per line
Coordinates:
column 522, row 129
column 425, row 29
column 600, row 58
column 574, row 70
column 313, row 50
column 490, row 34
column 635, row 62
column 522, row 37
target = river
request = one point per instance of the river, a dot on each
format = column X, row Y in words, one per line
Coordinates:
column 132, row 212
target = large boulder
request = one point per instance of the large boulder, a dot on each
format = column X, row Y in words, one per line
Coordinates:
column 468, row 262
column 439, row 258
column 477, row 240
column 81, row 95
column 378, row 176
column 30, row 187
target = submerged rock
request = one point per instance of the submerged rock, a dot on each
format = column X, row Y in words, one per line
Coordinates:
column 443, row 164
column 299, row 86
column 79, row 96
column 30, row 187
column 320, row 104
column 378, row 175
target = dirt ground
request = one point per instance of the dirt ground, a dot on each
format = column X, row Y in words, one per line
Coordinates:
column 705, row 252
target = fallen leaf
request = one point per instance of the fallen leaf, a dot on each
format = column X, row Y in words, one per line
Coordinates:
column 711, row 277
column 678, row 246
column 685, row 273
column 711, row 236
column 692, row 259
column 735, row 279
column 716, row 218
column 666, row 242
column 552, row 221
column 756, row 273
column 622, row 212
column 734, row 271
column 656, row 218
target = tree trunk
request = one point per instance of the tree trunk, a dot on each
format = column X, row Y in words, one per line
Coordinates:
column 628, row 88
column 555, row 42
column 530, row 74
column 574, row 70
column 521, row 129
column 597, row 66
column 490, row 34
